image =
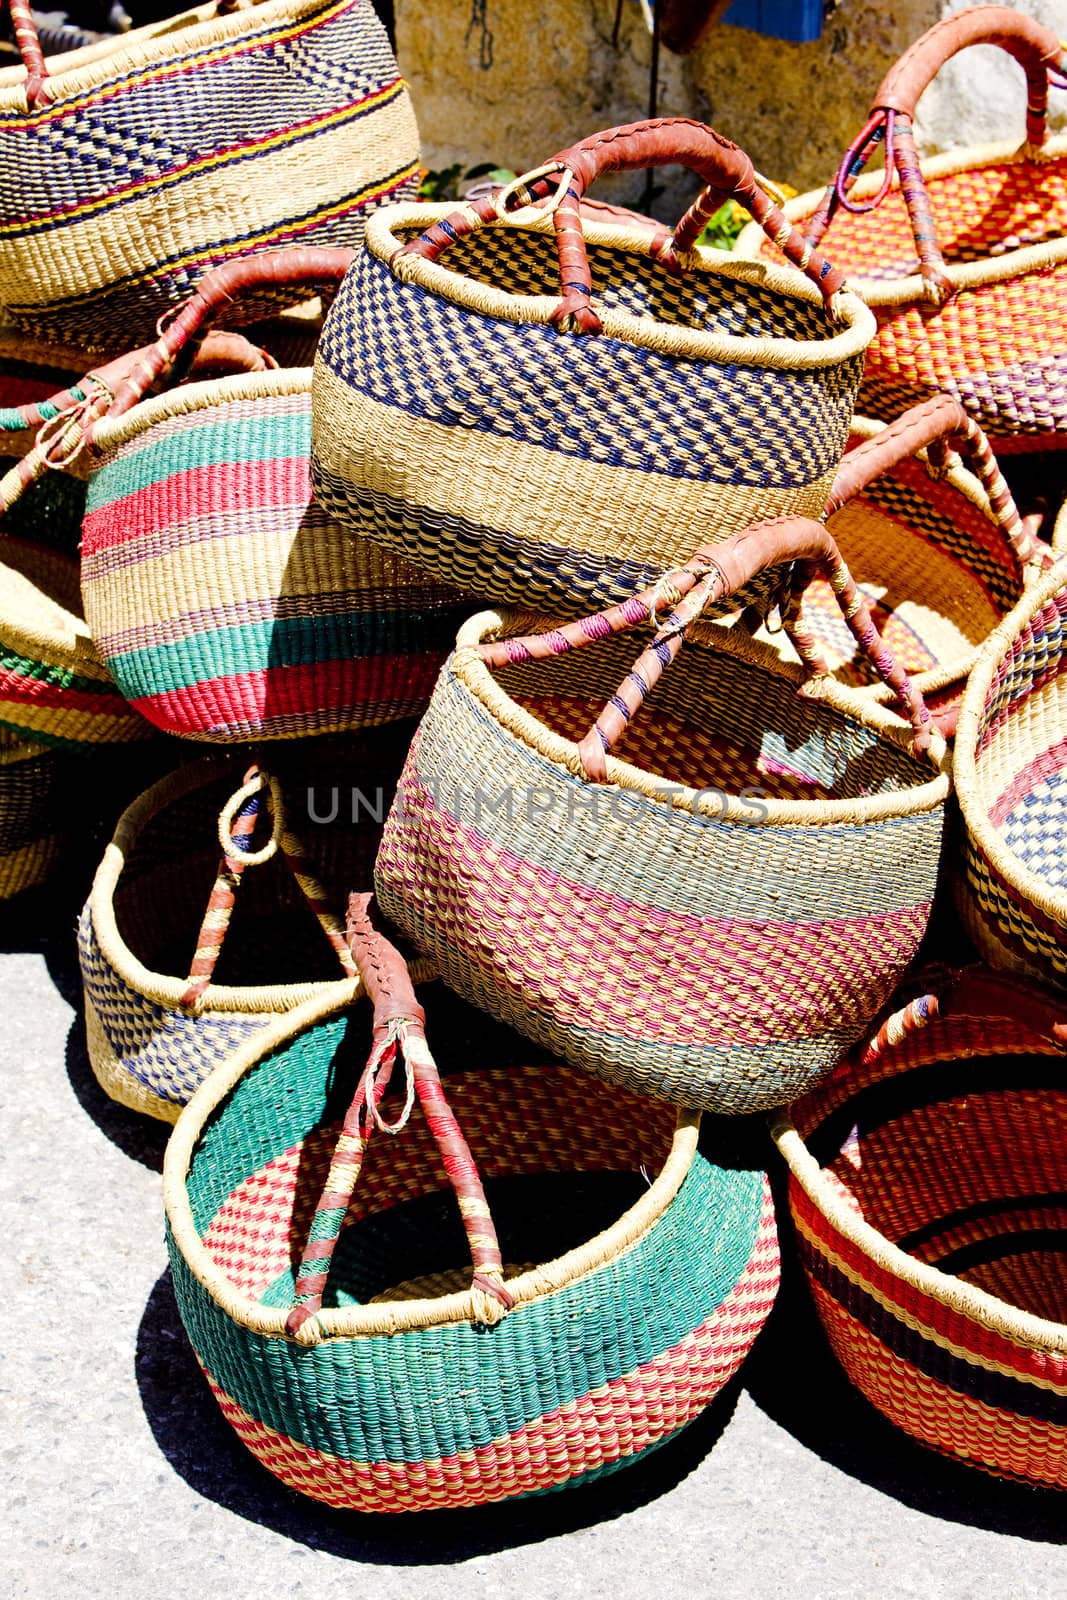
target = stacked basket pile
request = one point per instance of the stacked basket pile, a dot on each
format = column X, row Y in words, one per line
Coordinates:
column 675, row 813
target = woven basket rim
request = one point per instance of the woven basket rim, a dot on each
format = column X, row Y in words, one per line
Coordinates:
column 965, row 274
column 95, row 66
column 526, row 729
column 390, row 1317
column 1051, row 901
column 982, row 1307
column 112, row 432
column 857, row 331
column 160, row 988
column 67, row 643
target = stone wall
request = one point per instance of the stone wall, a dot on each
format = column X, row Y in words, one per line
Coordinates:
column 555, row 76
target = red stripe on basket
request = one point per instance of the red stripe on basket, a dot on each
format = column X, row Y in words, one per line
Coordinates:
column 1008, row 666
column 958, row 1329
column 199, row 492
column 23, row 690
column 1044, row 766
column 756, row 980
column 621, row 1419
column 325, row 689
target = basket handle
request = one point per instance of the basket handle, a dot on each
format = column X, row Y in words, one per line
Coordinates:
column 237, row 823
column 709, row 576
column 665, row 141
column 978, row 992
column 940, row 424
column 38, row 92
column 1040, row 54
column 399, row 1034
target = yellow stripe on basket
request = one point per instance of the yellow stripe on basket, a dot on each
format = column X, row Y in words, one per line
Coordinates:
column 860, row 1281
column 54, row 721
column 638, row 515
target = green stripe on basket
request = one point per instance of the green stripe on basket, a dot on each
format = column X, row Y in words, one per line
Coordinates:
column 557, row 1348
column 278, row 642
column 60, row 677
column 262, row 438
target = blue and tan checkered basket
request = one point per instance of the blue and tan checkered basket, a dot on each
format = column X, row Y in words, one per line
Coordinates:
column 132, row 166
column 563, row 453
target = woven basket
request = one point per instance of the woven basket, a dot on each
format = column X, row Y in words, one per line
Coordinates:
column 136, row 164
column 1011, row 771
column 225, row 604
column 540, row 451
column 963, row 258
column 620, row 1275
column 713, row 915
column 940, row 554
column 167, row 998
column 35, row 827
column 927, row 1189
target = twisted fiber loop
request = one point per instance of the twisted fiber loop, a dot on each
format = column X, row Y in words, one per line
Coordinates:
column 725, row 169
column 399, row 1032
column 60, row 440
column 38, row 93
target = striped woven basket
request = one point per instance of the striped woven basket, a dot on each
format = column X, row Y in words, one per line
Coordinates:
column 940, row 554
column 1011, row 771
column 619, row 1274
column 184, row 956
column 564, row 452
column 35, row 827
column 927, row 1186
column 136, row 164
column 713, row 914
column 963, row 257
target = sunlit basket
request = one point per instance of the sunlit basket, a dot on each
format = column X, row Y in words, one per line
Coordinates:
column 963, row 257
column 136, row 164
column 1011, row 775
column 620, row 1273
column 927, row 1189
column 563, row 449
column 712, row 915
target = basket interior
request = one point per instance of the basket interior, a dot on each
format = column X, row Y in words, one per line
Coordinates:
column 49, row 513
column 981, row 212
column 716, row 721
column 273, row 937
column 42, row 592
column 962, row 1163
column 561, row 1158
column 630, row 281
column 1020, row 755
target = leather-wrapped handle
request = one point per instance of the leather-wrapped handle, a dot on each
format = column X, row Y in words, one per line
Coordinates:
column 1038, row 52
column 398, row 1035
column 725, row 169
column 710, row 575
column 938, row 425
column 38, row 93
column 981, row 994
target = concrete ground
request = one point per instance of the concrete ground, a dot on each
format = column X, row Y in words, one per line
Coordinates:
column 120, row 1478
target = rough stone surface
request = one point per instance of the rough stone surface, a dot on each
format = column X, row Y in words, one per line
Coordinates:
column 555, row 77
column 121, row 1481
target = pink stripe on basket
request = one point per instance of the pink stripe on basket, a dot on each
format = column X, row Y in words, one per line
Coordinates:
column 200, row 492
column 1044, row 766
column 664, row 976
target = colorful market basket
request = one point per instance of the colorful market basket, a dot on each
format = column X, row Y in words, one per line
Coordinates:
column 963, row 258
column 713, row 914
column 940, row 554
column 619, row 1276
column 927, row 1184
column 184, row 956
column 553, row 411
column 1011, row 773
column 137, row 164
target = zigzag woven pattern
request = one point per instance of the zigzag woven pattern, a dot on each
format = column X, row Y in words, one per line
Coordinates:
column 951, row 1146
column 228, row 605
column 1011, row 763
column 571, row 1384
column 289, row 120
column 503, row 453
column 641, row 941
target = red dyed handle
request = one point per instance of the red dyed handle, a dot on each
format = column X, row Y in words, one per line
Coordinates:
column 979, row 993
column 665, row 141
column 398, row 1034
column 712, row 574
column 939, row 424
column 38, row 93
